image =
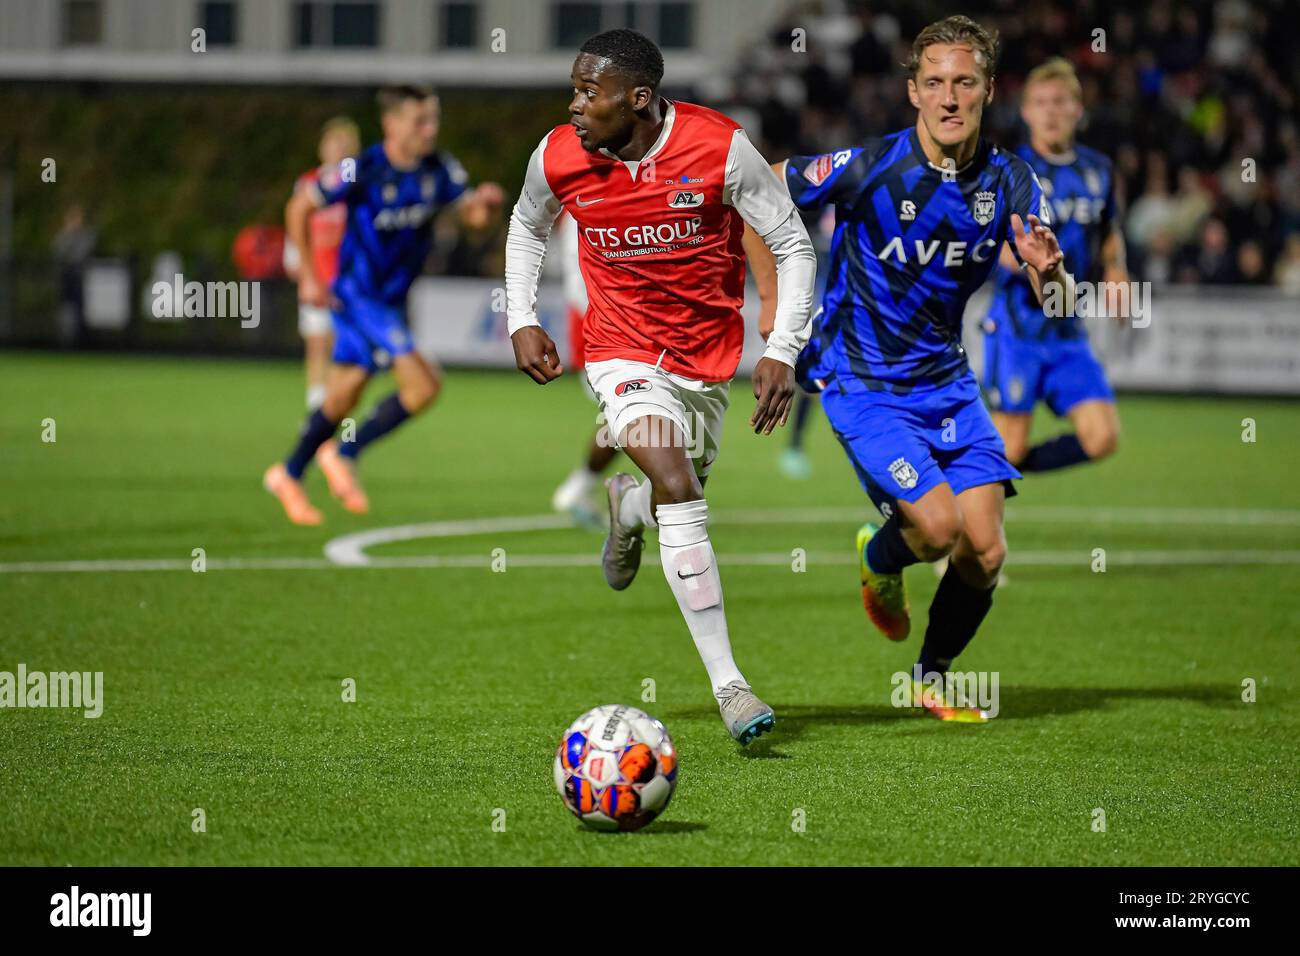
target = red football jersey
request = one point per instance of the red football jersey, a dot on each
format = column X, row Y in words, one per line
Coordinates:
column 660, row 250
column 325, row 228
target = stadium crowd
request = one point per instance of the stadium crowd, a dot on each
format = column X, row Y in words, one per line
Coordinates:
column 1197, row 103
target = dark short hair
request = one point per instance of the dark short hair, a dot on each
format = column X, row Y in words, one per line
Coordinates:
column 957, row 30
column 632, row 54
column 390, row 98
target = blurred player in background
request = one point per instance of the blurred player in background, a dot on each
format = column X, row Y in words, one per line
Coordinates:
column 393, row 192
column 921, row 215
column 660, row 191
column 1028, row 356
column 340, row 139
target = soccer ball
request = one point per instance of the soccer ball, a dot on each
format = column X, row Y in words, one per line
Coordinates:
column 616, row 768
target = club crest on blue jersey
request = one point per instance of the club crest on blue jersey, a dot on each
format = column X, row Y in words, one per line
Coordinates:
column 903, row 473
column 912, row 242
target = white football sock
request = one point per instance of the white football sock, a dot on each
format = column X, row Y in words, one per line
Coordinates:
column 636, row 510
column 315, row 397
column 692, row 573
column 575, row 489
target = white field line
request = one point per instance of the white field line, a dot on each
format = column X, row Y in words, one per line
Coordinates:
column 1077, row 559
column 349, row 551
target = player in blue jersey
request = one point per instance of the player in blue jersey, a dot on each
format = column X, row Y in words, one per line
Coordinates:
column 1028, row 356
column 920, row 217
column 393, row 192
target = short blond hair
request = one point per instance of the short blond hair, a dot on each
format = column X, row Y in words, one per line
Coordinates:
column 957, row 30
column 1057, row 68
column 341, row 124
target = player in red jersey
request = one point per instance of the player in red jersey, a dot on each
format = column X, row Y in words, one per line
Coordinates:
column 660, row 192
column 574, row 495
column 339, row 139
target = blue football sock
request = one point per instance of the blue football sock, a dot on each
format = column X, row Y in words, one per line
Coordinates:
column 887, row 552
column 1059, row 452
column 315, row 432
column 387, row 415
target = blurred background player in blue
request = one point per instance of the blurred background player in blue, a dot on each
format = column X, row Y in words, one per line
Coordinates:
column 393, row 193
column 1029, row 356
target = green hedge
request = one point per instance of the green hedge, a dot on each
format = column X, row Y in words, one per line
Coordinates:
column 185, row 168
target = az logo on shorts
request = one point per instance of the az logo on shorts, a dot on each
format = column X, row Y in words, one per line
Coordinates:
column 635, row 385
column 903, row 473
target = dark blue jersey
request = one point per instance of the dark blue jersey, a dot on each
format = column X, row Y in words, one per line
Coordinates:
column 390, row 219
column 912, row 242
column 1081, row 194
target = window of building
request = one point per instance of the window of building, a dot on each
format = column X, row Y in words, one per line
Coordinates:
column 218, row 18
column 83, row 23
column 334, row 23
column 458, row 28
column 669, row 24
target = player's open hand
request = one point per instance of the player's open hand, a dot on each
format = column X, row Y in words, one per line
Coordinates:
column 490, row 195
column 774, row 390
column 536, row 355
column 1036, row 244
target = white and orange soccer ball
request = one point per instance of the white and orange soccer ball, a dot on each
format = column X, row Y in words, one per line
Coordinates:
column 616, row 768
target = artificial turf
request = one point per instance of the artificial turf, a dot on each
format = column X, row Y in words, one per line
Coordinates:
column 223, row 690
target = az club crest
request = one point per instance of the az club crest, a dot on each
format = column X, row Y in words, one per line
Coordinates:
column 903, row 473
column 983, row 208
column 635, row 385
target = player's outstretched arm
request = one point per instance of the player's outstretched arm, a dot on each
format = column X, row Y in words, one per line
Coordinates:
column 530, row 226
column 1040, row 252
column 481, row 209
column 762, row 265
column 1114, row 266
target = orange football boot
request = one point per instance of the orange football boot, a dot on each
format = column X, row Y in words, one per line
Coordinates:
column 291, row 494
column 342, row 478
column 883, row 595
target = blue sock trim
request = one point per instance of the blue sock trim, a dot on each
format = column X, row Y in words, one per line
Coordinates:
column 887, row 552
column 1059, row 452
column 315, row 432
column 387, row 415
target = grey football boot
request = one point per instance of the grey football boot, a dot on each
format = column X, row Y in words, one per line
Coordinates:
column 745, row 715
column 621, row 556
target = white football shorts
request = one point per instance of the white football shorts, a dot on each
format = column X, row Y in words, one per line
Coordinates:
column 628, row 391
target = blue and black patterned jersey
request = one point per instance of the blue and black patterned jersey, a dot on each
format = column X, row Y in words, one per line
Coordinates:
column 1081, row 195
column 390, row 219
column 912, row 242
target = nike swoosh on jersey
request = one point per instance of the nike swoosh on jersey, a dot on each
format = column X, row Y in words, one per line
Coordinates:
column 589, row 202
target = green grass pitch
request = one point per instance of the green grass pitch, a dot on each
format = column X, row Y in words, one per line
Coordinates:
column 223, row 690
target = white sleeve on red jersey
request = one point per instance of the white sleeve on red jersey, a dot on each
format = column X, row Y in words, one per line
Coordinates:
column 763, row 202
column 530, row 226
